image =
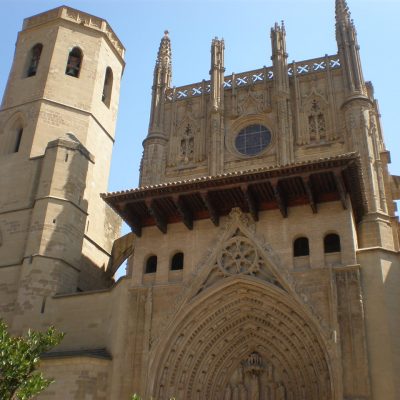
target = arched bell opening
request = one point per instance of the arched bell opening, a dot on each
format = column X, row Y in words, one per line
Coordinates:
column 247, row 337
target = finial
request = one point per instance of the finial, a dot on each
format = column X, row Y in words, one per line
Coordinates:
column 342, row 11
column 164, row 51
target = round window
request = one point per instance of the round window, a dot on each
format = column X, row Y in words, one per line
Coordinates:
column 252, row 140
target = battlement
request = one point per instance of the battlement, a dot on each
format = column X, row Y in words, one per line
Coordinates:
column 78, row 17
column 254, row 77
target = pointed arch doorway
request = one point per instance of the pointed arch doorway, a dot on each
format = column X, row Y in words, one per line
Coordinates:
column 244, row 339
column 242, row 331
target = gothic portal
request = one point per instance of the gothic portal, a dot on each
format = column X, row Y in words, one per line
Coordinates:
column 263, row 262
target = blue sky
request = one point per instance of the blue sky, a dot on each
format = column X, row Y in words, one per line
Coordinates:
column 245, row 25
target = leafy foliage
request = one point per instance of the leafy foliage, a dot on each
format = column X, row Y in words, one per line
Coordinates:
column 19, row 358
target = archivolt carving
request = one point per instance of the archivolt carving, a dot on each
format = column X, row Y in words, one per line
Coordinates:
column 243, row 339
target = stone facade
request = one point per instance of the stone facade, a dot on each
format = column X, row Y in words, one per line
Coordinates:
column 263, row 261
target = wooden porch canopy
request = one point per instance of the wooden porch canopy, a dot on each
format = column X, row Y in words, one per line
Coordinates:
column 267, row 188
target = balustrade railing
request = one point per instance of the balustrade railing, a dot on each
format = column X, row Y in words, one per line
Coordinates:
column 254, row 77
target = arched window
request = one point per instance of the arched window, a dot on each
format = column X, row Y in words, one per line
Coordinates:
column 34, row 58
column 151, row 265
column 10, row 141
column 74, row 62
column 107, row 88
column 18, row 138
column 332, row 243
column 301, row 247
column 177, row 262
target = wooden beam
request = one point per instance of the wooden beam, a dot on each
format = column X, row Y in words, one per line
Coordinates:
column 251, row 202
column 310, row 194
column 214, row 216
column 136, row 224
column 133, row 220
column 280, row 199
column 341, row 189
column 160, row 220
column 184, row 211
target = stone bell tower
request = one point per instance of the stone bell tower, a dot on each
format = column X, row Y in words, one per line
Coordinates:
column 57, row 127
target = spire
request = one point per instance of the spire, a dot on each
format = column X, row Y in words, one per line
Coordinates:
column 164, row 59
column 281, row 93
column 346, row 37
column 342, row 12
column 217, row 73
column 152, row 167
column 161, row 81
column 279, row 57
column 216, row 159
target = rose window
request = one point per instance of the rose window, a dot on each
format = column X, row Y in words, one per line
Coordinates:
column 252, row 140
column 238, row 257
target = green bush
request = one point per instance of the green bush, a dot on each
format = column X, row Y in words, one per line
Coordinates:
column 19, row 359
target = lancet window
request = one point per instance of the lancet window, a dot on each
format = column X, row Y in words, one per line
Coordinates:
column 34, row 58
column 17, row 141
column 107, row 87
column 74, row 62
column 10, row 141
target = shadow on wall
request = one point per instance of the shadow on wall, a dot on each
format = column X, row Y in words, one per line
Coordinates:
column 67, row 221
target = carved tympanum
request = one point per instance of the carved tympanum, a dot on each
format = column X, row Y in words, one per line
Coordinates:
column 255, row 379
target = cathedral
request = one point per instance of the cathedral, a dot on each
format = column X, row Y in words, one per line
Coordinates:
column 263, row 261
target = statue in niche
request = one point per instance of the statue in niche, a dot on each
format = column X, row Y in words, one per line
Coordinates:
column 187, row 145
column 254, row 379
column 316, row 123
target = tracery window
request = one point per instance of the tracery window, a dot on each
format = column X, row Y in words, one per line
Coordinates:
column 316, row 123
column 301, row 247
column 187, row 145
column 332, row 243
column 177, row 262
column 151, row 265
column 252, row 140
column 74, row 62
column 107, row 87
column 34, row 58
